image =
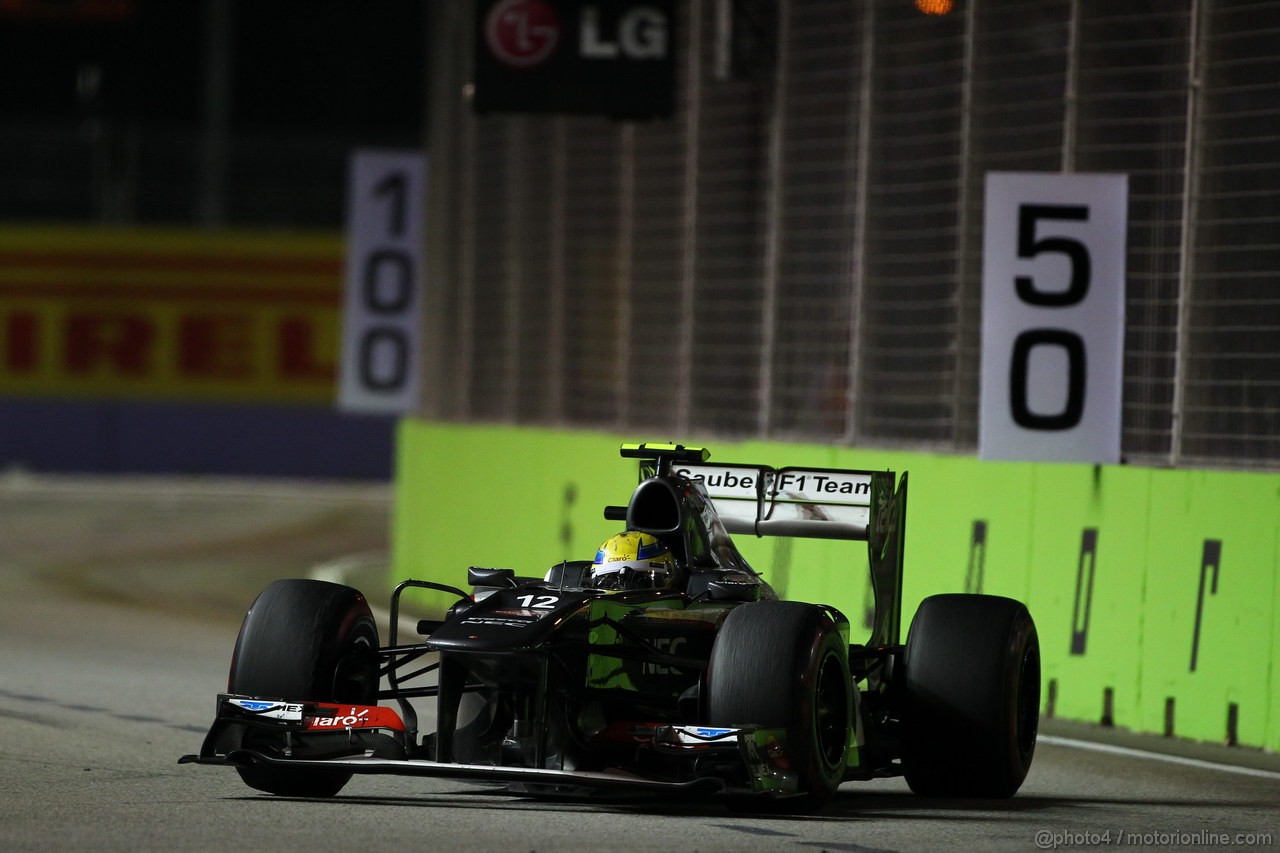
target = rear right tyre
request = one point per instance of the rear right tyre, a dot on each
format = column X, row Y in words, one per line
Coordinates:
column 972, row 703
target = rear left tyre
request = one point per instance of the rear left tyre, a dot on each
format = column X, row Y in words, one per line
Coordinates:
column 972, row 704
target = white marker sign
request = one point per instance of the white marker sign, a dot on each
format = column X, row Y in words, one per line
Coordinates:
column 1053, row 317
column 381, row 324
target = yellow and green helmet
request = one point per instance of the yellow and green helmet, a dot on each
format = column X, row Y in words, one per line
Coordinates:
column 633, row 560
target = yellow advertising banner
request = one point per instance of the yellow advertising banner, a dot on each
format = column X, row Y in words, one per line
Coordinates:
column 169, row 314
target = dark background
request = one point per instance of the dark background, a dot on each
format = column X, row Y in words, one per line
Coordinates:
column 325, row 65
column 207, row 114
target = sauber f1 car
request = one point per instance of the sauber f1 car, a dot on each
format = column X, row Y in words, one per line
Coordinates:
column 710, row 685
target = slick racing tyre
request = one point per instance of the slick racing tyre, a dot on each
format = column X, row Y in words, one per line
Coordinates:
column 784, row 664
column 304, row 640
column 972, row 704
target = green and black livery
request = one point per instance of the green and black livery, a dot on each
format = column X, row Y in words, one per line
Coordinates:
column 714, row 686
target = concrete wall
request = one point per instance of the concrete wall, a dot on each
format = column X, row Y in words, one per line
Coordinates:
column 1154, row 591
column 147, row 437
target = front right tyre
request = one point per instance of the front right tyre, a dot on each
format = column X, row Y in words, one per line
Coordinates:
column 785, row 665
column 304, row 640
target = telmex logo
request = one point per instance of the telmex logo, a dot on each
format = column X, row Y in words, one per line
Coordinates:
column 251, row 705
column 274, row 710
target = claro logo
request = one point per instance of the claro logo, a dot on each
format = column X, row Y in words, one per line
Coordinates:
column 525, row 33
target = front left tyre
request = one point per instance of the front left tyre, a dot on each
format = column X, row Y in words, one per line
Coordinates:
column 785, row 665
column 304, row 640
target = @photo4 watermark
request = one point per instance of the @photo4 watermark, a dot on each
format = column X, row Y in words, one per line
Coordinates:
column 1052, row 839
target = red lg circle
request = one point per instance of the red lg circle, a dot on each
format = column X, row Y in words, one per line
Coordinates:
column 522, row 33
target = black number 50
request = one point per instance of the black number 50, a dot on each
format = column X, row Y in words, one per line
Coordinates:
column 1029, row 246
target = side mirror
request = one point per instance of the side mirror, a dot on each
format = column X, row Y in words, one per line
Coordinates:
column 572, row 574
column 477, row 576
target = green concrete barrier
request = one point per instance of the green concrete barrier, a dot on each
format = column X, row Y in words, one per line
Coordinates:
column 1155, row 592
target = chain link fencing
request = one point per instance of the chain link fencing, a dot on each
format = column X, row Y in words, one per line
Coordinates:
column 796, row 253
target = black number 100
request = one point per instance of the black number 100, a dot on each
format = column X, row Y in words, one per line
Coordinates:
column 386, row 288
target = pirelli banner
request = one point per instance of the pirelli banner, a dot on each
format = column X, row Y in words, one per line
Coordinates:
column 160, row 314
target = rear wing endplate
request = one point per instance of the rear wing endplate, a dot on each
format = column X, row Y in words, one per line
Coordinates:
column 821, row 503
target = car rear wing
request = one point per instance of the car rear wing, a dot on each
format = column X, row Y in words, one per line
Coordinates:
column 818, row 503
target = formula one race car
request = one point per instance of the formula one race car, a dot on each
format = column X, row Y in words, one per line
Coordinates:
column 701, row 682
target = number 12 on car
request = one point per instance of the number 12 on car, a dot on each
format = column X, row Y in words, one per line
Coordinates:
column 1053, row 316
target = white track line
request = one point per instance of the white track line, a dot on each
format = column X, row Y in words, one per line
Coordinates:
column 20, row 483
column 1053, row 740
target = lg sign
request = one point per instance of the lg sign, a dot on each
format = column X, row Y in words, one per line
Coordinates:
column 570, row 56
column 642, row 34
column 522, row 33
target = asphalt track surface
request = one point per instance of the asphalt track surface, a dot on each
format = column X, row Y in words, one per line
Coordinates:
column 121, row 601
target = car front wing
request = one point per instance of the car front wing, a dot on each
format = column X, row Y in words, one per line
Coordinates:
column 326, row 736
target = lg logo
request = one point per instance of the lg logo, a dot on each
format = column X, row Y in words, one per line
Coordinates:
column 525, row 33
column 641, row 34
column 522, row 33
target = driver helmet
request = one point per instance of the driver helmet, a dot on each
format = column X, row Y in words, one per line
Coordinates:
column 633, row 560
